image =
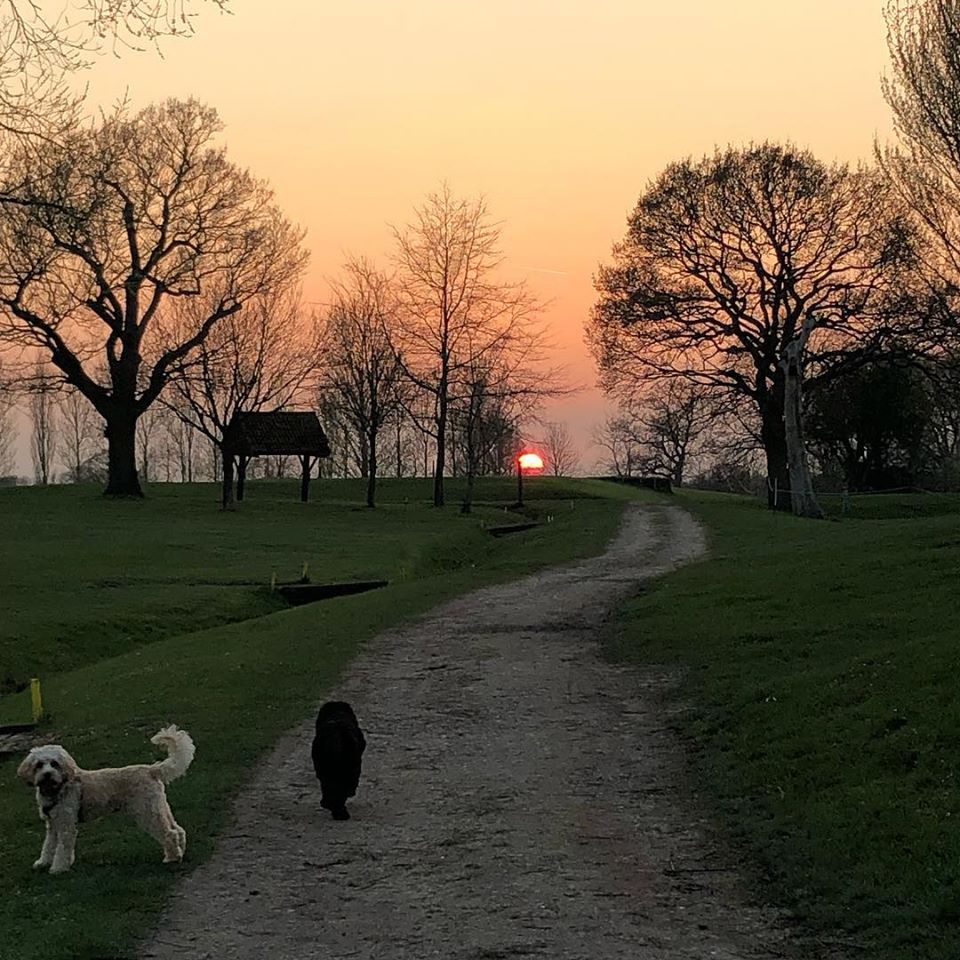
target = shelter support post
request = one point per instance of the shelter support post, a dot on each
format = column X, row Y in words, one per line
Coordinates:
column 306, row 462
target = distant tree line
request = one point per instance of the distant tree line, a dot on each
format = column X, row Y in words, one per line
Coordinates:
column 770, row 314
column 149, row 291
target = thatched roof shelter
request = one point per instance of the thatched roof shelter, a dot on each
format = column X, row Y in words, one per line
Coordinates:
column 277, row 433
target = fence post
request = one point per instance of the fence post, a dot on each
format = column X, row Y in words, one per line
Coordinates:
column 36, row 701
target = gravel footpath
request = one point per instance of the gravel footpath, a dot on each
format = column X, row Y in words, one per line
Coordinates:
column 521, row 797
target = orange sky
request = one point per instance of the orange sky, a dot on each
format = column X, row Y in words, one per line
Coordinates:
column 559, row 111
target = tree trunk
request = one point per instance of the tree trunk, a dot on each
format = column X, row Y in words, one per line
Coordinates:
column 803, row 499
column 227, row 500
column 399, row 451
column 470, row 455
column 364, row 455
column 438, row 495
column 122, row 478
column 372, row 469
column 679, row 466
column 774, row 440
column 467, row 505
column 188, row 440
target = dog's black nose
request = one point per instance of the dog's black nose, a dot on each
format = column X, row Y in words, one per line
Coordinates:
column 48, row 785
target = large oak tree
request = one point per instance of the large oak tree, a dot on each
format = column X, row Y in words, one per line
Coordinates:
column 101, row 231
column 751, row 272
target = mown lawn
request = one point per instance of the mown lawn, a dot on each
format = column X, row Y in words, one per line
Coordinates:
column 139, row 614
column 84, row 579
column 823, row 677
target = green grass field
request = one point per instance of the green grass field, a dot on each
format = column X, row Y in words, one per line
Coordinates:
column 821, row 664
column 136, row 614
column 822, row 675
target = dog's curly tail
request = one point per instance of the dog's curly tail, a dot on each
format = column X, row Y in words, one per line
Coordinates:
column 179, row 746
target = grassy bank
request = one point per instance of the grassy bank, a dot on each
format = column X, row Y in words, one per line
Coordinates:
column 84, row 579
column 822, row 663
column 116, row 568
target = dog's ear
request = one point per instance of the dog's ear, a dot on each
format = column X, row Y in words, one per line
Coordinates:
column 27, row 769
column 69, row 765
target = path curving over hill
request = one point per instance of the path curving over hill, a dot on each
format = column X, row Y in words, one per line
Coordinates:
column 521, row 797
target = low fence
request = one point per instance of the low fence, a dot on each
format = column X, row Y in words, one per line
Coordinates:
column 845, row 497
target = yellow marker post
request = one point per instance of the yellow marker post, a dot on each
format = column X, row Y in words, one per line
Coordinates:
column 273, row 581
column 36, row 701
column 303, row 574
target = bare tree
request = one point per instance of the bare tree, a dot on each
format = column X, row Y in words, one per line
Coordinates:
column 452, row 309
column 263, row 357
column 81, row 432
column 617, row 437
column 924, row 95
column 362, row 369
column 149, row 429
column 483, row 392
column 181, row 438
column 345, row 455
column 208, row 459
column 404, row 440
column 41, row 49
column 748, row 273
column 43, row 389
column 558, row 446
column 103, row 231
column 496, row 386
column 673, row 421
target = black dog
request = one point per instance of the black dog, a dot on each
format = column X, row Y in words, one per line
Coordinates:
column 337, row 751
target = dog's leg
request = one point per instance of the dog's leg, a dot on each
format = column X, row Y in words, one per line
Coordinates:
column 64, row 823
column 174, row 828
column 156, row 819
column 336, row 803
column 49, row 846
column 181, row 838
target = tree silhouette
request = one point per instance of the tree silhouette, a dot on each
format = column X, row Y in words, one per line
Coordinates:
column 751, row 272
column 103, row 231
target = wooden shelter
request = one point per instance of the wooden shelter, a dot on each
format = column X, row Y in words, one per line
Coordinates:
column 275, row 434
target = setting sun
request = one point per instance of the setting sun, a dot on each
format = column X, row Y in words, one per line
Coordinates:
column 530, row 462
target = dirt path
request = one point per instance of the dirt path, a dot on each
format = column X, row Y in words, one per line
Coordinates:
column 521, row 798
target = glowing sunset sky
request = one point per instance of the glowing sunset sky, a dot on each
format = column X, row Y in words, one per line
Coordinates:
column 559, row 111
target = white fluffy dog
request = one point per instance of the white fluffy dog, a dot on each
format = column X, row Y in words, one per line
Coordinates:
column 67, row 795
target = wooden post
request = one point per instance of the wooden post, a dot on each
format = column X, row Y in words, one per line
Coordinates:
column 519, row 484
column 36, row 700
column 241, row 476
column 305, row 478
